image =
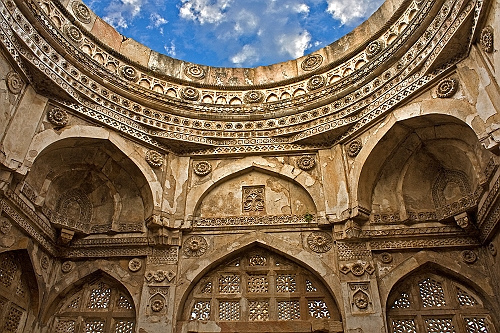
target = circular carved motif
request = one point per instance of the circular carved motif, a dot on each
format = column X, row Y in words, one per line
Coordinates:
column 157, row 305
column 253, row 97
column 469, row 256
column 493, row 249
column 195, row 246
column 5, row 226
column 154, row 158
column 361, row 300
column 14, row 82
column 73, row 33
column 357, row 269
column 134, row 265
column 316, row 82
column 160, row 276
column 374, row 48
column 202, row 168
column 306, row 162
column 354, row 148
column 129, row 73
column 44, row 262
column 320, row 242
column 67, row 267
column 386, row 258
column 190, row 94
column 81, row 12
column 447, row 88
column 58, row 117
column 312, row 62
column 486, row 39
column 195, row 72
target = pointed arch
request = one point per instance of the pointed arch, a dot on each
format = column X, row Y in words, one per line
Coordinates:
column 192, row 274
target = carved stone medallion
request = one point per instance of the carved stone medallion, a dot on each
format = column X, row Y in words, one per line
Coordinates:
column 134, row 265
column 386, row 257
column 129, row 73
column 253, row 97
column 14, row 82
column 194, row 72
column 486, row 39
column 5, row 226
column 361, row 300
column 357, row 269
column 44, row 262
column 73, row 33
column 354, row 148
column 157, row 305
column 67, row 267
column 195, row 246
column 469, row 256
column 58, row 117
column 316, row 82
column 320, row 242
column 202, row 168
column 306, row 162
column 190, row 94
column 81, row 12
column 447, row 88
column 312, row 62
column 154, row 158
column 493, row 249
column 374, row 48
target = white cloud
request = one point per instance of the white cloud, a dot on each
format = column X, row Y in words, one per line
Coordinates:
column 351, row 11
column 170, row 49
column 204, row 11
column 302, row 8
column 247, row 54
column 156, row 21
column 296, row 44
column 121, row 12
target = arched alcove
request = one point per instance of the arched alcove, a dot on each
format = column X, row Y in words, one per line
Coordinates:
column 258, row 290
column 427, row 168
column 90, row 186
column 97, row 303
column 431, row 301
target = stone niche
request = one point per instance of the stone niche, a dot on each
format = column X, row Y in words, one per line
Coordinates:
column 256, row 193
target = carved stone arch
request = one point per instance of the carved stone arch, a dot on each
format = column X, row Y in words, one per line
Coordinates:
column 19, row 292
column 47, row 138
column 191, row 275
column 289, row 173
column 424, row 140
column 98, row 301
column 435, row 297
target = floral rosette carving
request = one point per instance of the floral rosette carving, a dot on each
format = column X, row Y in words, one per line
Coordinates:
column 312, row 62
column 374, row 48
column 306, row 162
column 195, row 246
column 58, row 117
column 469, row 256
column 14, row 82
column 354, row 148
column 316, row 82
column 386, row 258
column 73, row 33
column 202, row 168
column 154, row 158
column 81, row 12
column 67, row 267
column 157, row 305
column 5, row 226
column 361, row 300
column 129, row 73
column 253, row 97
column 134, row 265
column 486, row 39
column 447, row 88
column 190, row 94
column 493, row 249
column 357, row 269
column 194, row 72
column 44, row 262
column 320, row 242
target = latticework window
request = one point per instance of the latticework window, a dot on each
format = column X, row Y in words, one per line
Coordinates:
column 259, row 286
column 427, row 303
column 98, row 306
column 14, row 294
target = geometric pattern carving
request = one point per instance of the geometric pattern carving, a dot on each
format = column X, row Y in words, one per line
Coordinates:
column 441, row 306
column 100, row 305
column 253, row 199
column 259, row 286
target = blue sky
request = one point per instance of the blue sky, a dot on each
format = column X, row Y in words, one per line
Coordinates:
column 234, row 33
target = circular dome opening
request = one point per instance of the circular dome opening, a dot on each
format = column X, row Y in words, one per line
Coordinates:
column 234, row 33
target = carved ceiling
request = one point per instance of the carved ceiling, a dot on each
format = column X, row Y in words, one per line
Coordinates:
column 332, row 102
